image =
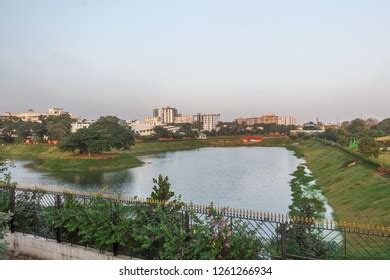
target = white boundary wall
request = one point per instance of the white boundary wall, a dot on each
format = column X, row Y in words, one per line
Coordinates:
column 49, row 249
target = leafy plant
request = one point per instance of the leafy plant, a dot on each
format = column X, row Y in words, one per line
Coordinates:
column 162, row 189
column 4, row 219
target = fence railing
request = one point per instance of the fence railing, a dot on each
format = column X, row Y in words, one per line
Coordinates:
column 281, row 236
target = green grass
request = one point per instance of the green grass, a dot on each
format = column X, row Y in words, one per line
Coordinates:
column 385, row 158
column 50, row 158
column 357, row 193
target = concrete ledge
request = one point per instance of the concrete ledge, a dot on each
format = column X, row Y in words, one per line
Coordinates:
column 49, row 249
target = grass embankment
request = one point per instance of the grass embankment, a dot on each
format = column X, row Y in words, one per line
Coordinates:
column 384, row 158
column 146, row 148
column 50, row 158
column 357, row 193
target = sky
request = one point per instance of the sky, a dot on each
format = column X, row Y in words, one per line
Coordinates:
column 326, row 59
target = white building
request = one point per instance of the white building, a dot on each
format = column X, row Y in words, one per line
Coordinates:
column 166, row 115
column 32, row 116
column 202, row 136
column 79, row 125
column 208, row 121
column 154, row 121
column 29, row 116
column 56, row 112
column 172, row 128
column 142, row 128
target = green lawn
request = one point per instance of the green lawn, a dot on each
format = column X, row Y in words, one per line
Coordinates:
column 357, row 193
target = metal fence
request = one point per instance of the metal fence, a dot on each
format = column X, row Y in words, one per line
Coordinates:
column 281, row 236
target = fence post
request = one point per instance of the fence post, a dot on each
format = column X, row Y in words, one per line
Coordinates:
column 345, row 243
column 283, row 238
column 57, row 208
column 186, row 221
column 11, row 190
column 114, row 216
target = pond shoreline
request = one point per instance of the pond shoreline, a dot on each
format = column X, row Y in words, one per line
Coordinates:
column 52, row 159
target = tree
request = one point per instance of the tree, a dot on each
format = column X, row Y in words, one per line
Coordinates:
column 369, row 147
column 371, row 122
column 162, row 132
column 102, row 136
column 162, row 189
column 330, row 134
column 357, row 126
column 58, row 127
column 384, row 125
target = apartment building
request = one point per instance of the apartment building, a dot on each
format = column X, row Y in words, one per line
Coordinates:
column 208, row 122
column 265, row 119
column 166, row 114
column 183, row 119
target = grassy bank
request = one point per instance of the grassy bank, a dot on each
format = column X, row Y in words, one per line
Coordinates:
column 357, row 193
column 50, row 158
column 384, row 158
column 166, row 146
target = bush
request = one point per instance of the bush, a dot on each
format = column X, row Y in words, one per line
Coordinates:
column 4, row 219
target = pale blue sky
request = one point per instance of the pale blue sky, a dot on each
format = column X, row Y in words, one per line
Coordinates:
column 329, row 59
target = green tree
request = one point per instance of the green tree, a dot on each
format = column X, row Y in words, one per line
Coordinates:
column 330, row 134
column 162, row 189
column 357, row 126
column 162, row 132
column 102, row 136
column 369, row 147
column 384, row 125
column 58, row 127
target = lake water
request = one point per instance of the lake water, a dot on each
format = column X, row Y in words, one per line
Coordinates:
column 242, row 177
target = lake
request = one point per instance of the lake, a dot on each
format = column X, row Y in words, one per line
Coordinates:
column 242, row 177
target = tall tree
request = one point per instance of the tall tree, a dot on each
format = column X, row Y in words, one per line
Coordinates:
column 384, row 125
column 58, row 127
column 369, row 147
column 104, row 135
column 357, row 126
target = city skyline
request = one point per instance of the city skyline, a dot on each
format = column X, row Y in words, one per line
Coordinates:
column 310, row 60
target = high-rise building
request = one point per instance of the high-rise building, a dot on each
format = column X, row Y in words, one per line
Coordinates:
column 167, row 114
column 208, row 122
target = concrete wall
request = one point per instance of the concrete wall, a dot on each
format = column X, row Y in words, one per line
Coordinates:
column 48, row 249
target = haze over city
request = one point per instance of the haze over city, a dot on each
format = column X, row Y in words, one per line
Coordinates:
column 239, row 58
